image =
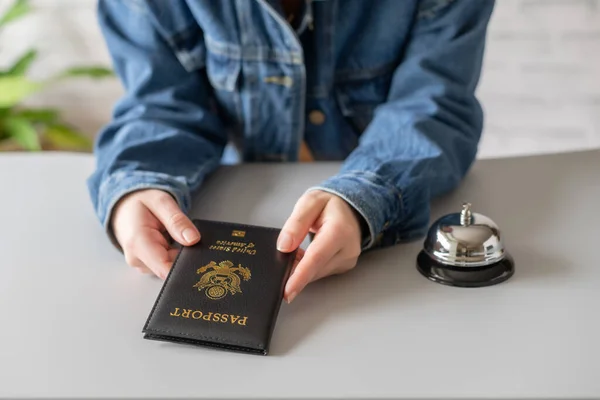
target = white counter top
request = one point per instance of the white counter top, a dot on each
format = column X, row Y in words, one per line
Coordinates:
column 72, row 311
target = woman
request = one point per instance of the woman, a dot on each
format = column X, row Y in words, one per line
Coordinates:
column 387, row 86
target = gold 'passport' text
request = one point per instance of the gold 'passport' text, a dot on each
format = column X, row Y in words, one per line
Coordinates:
column 209, row 316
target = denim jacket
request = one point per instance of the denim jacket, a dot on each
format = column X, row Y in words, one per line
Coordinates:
column 387, row 87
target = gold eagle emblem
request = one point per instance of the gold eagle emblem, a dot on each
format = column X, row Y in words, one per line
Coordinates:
column 224, row 278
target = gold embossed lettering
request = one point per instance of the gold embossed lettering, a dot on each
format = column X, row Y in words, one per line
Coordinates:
column 209, row 316
column 199, row 313
column 234, row 247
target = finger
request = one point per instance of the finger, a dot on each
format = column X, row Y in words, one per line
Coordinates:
column 339, row 264
column 131, row 259
column 141, row 268
column 136, row 263
column 177, row 224
column 305, row 213
column 173, row 254
column 144, row 270
column 149, row 249
column 299, row 255
column 317, row 257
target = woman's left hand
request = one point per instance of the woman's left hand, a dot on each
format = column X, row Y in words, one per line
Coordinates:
column 336, row 244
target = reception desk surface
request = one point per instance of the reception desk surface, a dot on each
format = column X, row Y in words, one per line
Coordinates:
column 72, row 311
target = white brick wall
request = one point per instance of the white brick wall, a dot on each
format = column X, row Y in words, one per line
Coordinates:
column 540, row 85
column 541, row 79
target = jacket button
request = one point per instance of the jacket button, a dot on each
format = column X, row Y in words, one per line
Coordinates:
column 316, row 117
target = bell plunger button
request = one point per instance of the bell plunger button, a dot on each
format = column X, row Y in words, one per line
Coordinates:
column 465, row 250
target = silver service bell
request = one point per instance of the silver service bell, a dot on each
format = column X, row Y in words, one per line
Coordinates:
column 466, row 250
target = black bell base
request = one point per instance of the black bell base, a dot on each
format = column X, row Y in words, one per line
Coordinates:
column 468, row 277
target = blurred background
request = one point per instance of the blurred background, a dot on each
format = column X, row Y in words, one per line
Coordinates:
column 540, row 85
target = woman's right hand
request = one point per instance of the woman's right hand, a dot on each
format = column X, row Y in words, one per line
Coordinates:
column 142, row 223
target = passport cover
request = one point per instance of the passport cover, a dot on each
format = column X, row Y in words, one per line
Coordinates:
column 224, row 292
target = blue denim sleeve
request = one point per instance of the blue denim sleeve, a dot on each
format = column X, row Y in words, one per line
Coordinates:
column 424, row 139
column 164, row 115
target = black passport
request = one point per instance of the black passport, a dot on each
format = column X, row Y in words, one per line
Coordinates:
column 224, row 292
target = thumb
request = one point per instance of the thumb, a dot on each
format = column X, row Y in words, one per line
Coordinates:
column 167, row 211
column 305, row 213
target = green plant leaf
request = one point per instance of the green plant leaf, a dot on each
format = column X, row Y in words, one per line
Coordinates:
column 21, row 66
column 89, row 72
column 3, row 113
column 13, row 89
column 65, row 137
column 38, row 115
column 23, row 132
column 19, row 9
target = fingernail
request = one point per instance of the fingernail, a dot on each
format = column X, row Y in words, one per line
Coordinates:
column 190, row 235
column 291, row 297
column 285, row 242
